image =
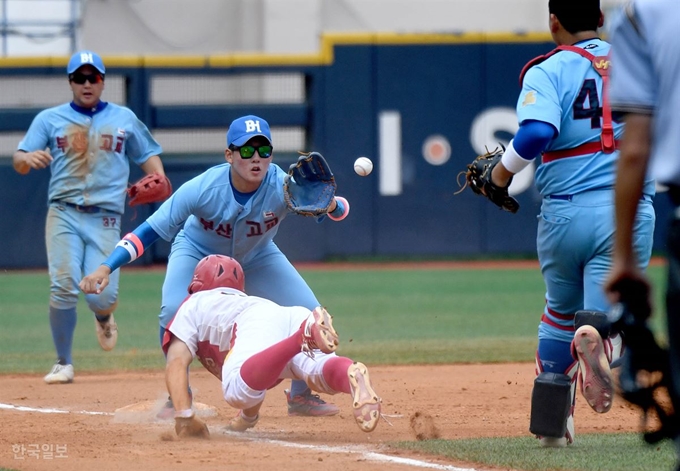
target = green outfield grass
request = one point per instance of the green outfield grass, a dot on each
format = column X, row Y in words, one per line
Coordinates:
column 600, row 452
column 383, row 316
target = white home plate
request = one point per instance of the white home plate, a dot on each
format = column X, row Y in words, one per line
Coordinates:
column 146, row 411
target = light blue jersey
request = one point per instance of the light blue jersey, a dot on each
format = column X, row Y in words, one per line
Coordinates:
column 213, row 216
column 90, row 152
column 565, row 91
column 645, row 78
column 576, row 179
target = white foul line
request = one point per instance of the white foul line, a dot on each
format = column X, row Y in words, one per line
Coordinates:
column 50, row 411
column 367, row 455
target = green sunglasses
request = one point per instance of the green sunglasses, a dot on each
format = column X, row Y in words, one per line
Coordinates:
column 247, row 152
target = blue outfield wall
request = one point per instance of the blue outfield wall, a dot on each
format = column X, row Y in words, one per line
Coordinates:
column 445, row 87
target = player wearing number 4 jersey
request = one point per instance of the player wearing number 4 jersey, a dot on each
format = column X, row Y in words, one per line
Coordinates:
column 87, row 145
column 233, row 209
column 251, row 344
column 566, row 120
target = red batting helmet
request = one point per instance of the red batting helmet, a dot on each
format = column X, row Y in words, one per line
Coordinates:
column 217, row 271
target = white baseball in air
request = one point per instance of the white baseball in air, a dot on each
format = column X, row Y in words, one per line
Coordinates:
column 363, row 166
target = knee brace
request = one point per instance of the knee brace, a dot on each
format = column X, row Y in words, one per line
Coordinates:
column 595, row 319
column 551, row 401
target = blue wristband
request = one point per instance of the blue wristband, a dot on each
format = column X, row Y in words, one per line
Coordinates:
column 339, row 209
column 118, row 258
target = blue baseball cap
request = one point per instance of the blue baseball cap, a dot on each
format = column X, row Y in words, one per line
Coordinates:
column 241, row 130
column 85, row 57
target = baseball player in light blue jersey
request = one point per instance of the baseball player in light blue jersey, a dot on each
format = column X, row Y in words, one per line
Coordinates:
column 231, row 209
column 646, row 87
column 565, row 118
column 86, row 144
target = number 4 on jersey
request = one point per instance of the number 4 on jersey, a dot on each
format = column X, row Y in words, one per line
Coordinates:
column 587, row 104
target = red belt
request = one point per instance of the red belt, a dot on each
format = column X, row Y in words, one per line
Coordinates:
column 589, row 148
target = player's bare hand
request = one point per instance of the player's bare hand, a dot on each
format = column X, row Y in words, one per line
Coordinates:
column 95, row 282
column 38, row 159
column 191, row 427
column 624, row 277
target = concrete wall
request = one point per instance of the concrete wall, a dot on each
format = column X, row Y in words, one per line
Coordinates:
column 169, row 27
column 290, row 26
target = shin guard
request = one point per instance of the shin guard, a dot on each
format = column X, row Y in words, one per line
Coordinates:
column 551, row 402
column 552, row 405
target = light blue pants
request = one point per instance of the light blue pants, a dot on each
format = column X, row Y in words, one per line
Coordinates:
column 575, row 240
column 78, row 243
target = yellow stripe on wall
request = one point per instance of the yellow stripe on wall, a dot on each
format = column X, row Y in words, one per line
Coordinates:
column 325, row 56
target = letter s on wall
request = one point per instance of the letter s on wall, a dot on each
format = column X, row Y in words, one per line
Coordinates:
column 483, row 132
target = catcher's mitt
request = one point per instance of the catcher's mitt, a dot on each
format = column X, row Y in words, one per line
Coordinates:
column 478, row 178
column 309, row 187
column 152, row 188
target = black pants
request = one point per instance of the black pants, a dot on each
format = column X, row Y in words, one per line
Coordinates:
column 673, row 309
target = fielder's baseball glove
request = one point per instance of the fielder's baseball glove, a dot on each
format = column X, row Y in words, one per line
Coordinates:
column 478, row 178
column 309, row 187
column 151, row 188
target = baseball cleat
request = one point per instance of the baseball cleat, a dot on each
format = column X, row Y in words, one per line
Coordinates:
column 309, row 405
column 60, row 374
column 597, row 382
column 319, row 333
column 554, row 442
column 167, row 412
column 107, row 333
column 365, row 402
column 241, row 424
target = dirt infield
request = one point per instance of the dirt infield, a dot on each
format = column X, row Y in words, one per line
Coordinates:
column 463, row 401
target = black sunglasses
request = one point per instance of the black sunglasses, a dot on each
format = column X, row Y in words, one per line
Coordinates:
column 247, row 152
column 81, row 78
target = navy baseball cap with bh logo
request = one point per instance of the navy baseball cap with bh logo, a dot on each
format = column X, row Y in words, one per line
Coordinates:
column 82, row 58
column 245, row 128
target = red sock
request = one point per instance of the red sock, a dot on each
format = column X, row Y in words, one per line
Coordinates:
column 262, row 370
column 335, row 374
